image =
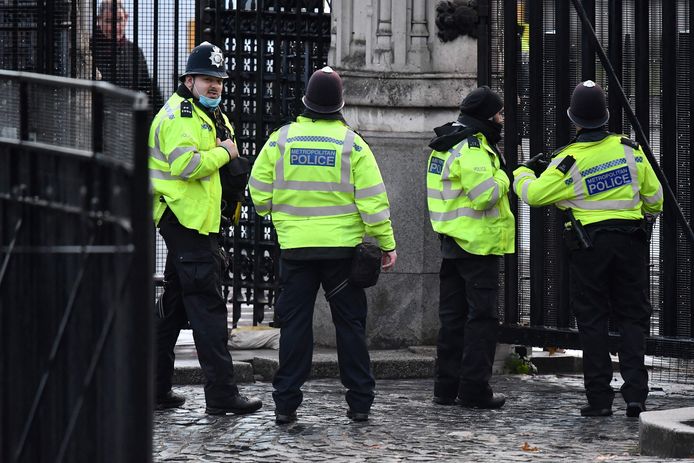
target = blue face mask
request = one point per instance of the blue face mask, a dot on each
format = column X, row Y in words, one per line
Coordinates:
column 207, row 101
column 210, row 102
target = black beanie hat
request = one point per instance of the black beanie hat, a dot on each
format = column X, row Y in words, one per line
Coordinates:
column 324, row 92
column 588, row 106
column 481, row 103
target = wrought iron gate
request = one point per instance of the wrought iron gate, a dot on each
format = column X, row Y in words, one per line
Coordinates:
column 535, row 52
column 273, row 47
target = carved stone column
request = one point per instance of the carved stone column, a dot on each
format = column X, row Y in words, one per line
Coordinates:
column 383, row 52
column 418, row 55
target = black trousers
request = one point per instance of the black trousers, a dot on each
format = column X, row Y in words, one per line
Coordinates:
column 193, row 293
column 300, row 280
column 469, row 327
column 611, row 278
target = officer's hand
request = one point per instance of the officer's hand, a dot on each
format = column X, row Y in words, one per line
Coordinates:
column 537, row 163
column 388, row 260
column 230, row 147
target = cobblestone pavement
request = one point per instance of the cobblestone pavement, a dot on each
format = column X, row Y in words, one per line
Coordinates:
column 540, row 422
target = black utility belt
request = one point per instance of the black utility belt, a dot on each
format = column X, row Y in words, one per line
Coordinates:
column 625, row 225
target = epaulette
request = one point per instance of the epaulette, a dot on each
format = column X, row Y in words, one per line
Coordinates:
column 566, row 164
column 186, row 108
column 473, row 142
column 629, row 142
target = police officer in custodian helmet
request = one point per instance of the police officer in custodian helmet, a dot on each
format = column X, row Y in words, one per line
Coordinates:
column 610, row 196
column 321, row 184
column 191, row 150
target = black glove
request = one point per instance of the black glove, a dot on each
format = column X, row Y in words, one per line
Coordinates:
column 537, row 163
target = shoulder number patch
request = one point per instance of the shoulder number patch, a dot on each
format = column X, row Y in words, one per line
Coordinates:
column 436, row 165
column 473, row 142
column 566, row 164
column 629, row 142
column 186, row 109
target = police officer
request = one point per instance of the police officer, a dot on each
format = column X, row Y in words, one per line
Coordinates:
column 468, row 206
column 320, row 181
column 186, row 155
column 608, row 190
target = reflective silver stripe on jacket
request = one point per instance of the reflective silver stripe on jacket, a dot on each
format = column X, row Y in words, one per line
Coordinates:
column 462, row 212
column 655, row 198
column 263, row 206
column 156, row 151
column 521, row 176
column 448, row 192
column 192, row 165
column 261, row 186
column 161, row 175
column 343, row 186
column 605, row 205
column 633, row 170
column 369, row 191
column 376, row 217
column 178, row 152
column 314, row 211
column 484, row 186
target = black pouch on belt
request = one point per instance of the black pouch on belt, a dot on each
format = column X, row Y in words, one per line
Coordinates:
column 366, row 265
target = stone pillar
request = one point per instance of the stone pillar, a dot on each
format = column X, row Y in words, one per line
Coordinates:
column 398, row 87
column 383, row 53
column 418, row 54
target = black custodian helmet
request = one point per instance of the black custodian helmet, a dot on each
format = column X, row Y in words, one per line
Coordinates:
column 588, row 106
column 324, row 92
column 206, row 59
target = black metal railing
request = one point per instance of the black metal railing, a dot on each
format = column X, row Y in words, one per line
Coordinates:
column 648, row 44
column 76, row 309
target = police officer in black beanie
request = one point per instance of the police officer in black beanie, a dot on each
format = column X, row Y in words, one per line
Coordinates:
column 467, row 196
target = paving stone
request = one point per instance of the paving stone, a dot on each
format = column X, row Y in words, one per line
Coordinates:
column 540, row 422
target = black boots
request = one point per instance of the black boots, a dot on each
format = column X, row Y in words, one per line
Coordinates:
column 357, row 416
column 488, row 402
column 169, row 400
column 589, row 410
column 634, row 409
column 285, row 419
column 238, row 405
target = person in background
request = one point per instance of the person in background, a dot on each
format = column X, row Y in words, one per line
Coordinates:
column 127, row 67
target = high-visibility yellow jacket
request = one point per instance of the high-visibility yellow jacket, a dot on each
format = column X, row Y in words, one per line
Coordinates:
column 467, row 195
column 610, row 179
column 184, row 162
column 321, row 183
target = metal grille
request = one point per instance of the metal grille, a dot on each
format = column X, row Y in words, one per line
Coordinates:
column 273, row 47
column 76, row 314
column 649, row 46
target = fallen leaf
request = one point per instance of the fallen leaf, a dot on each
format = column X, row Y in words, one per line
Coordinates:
column 527, row 448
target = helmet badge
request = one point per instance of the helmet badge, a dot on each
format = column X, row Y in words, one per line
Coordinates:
column 216, row 57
